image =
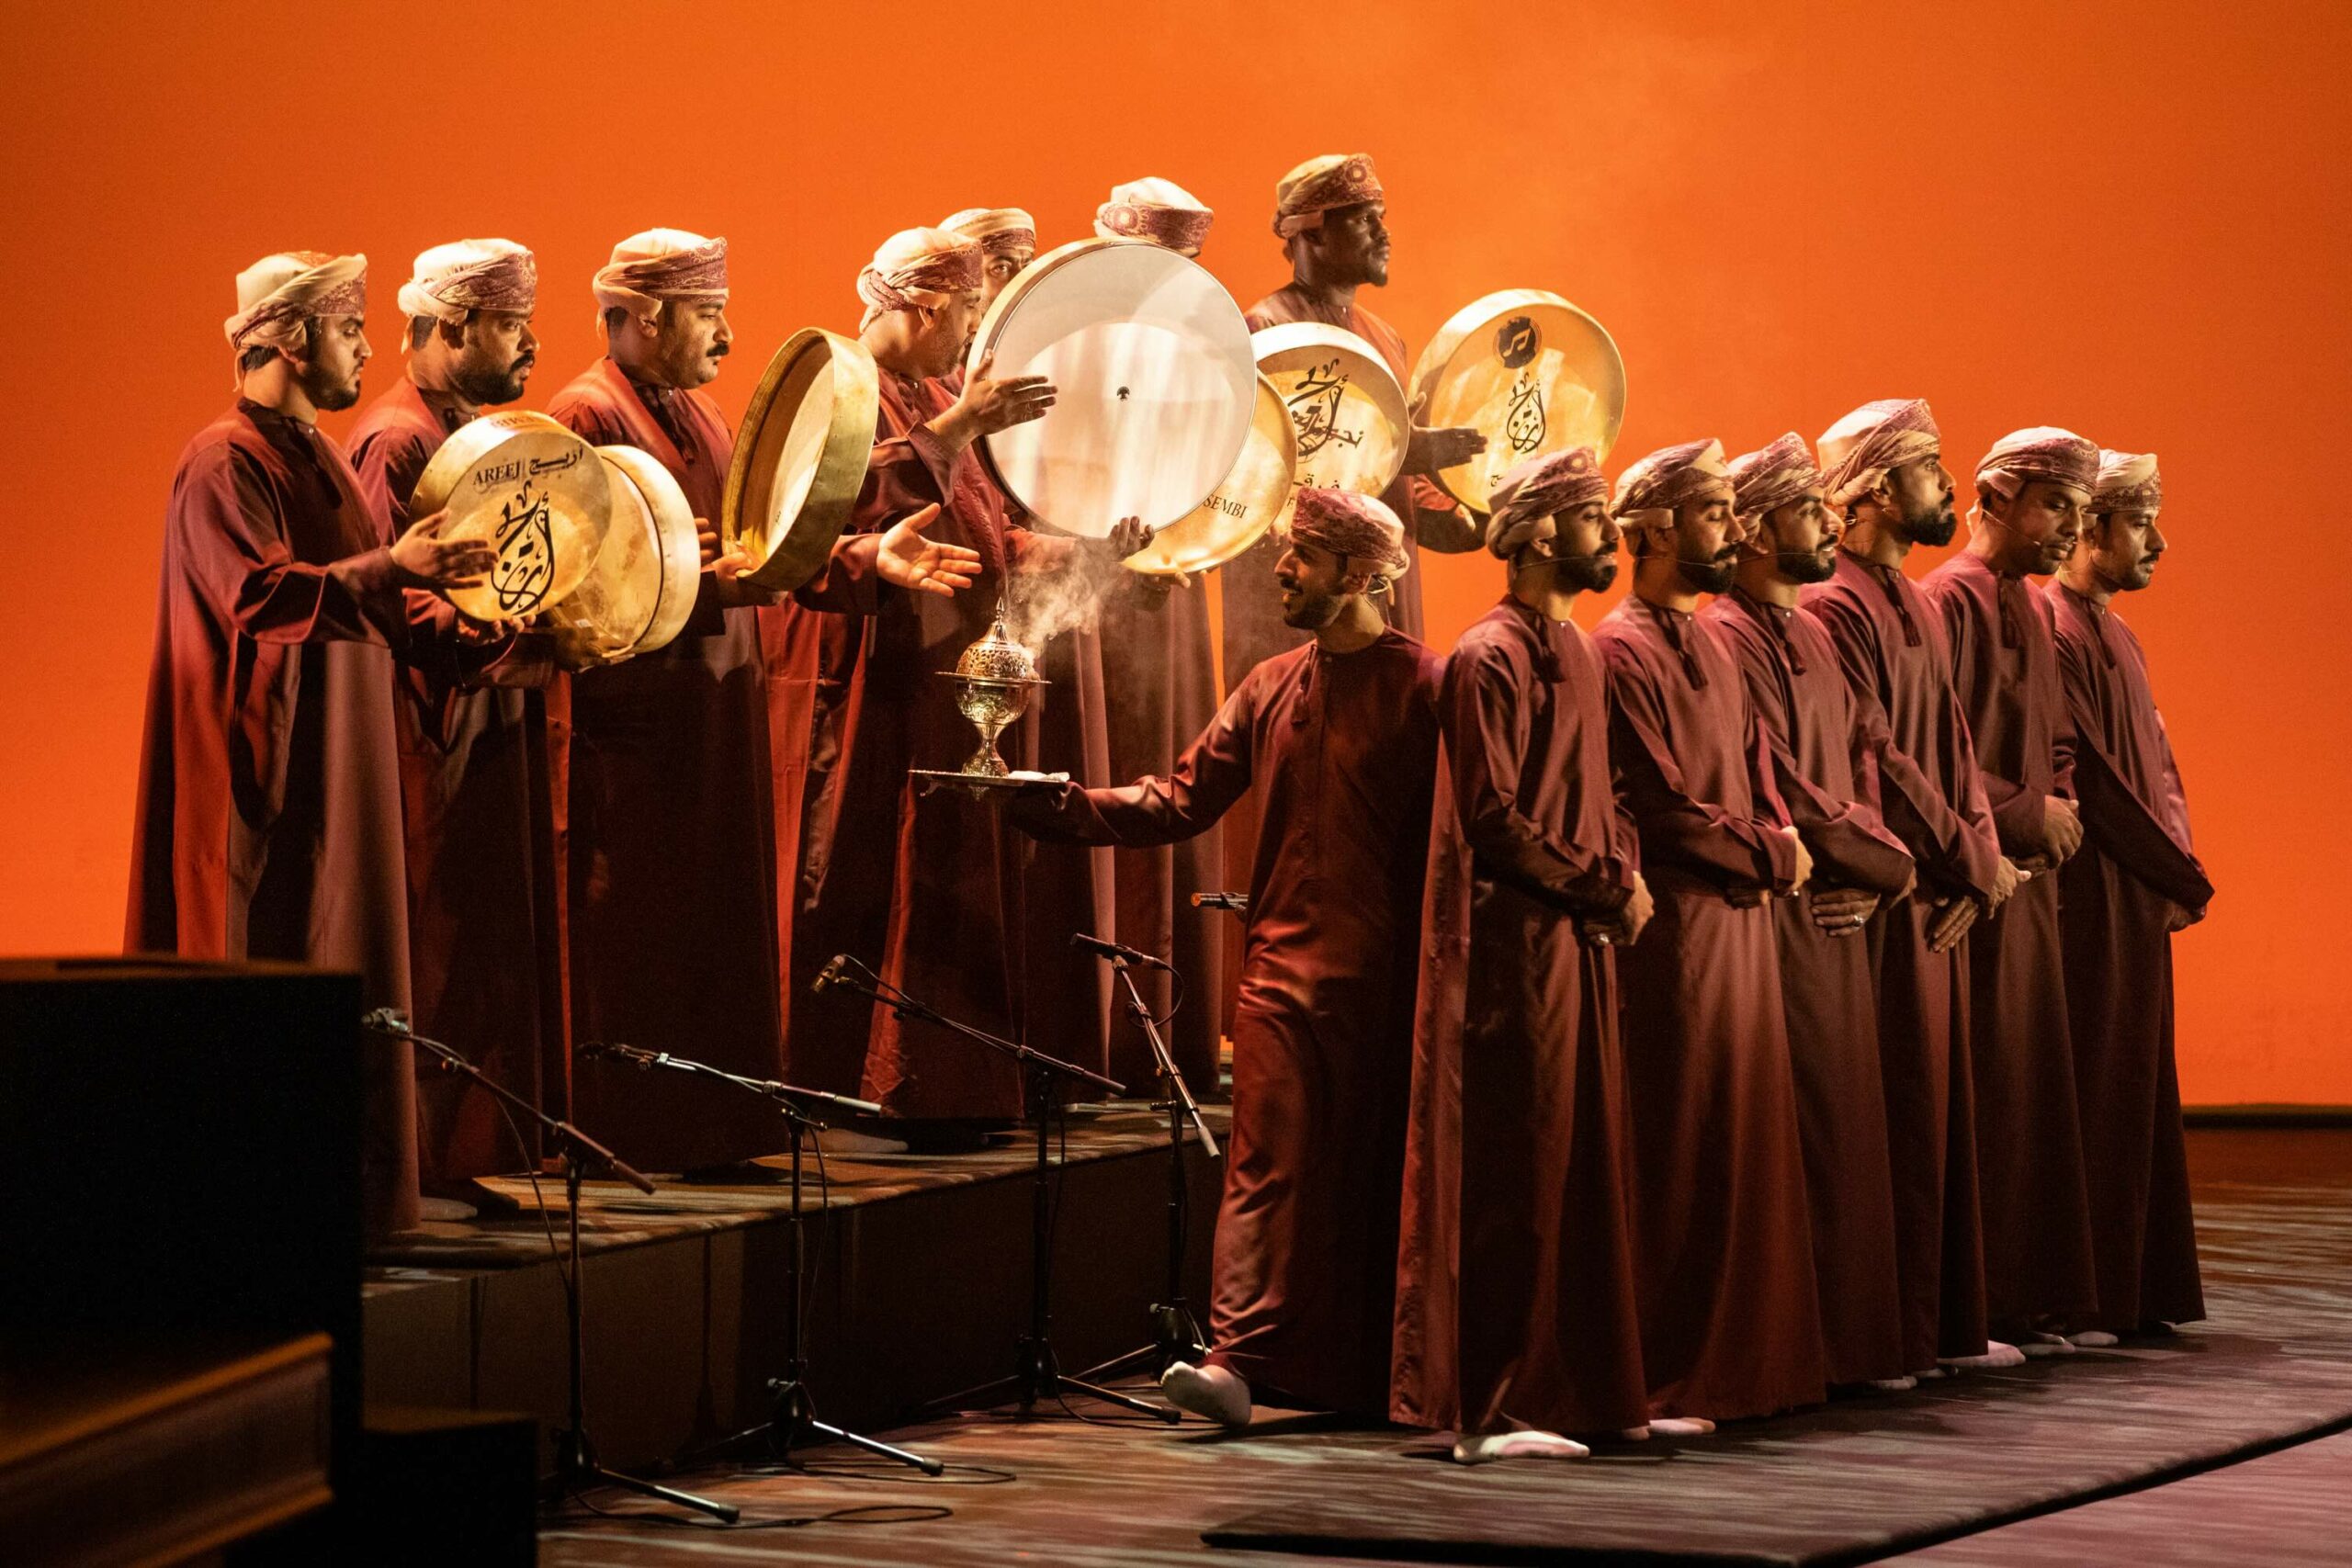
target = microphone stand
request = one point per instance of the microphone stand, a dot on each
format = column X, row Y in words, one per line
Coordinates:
column 1036, row 1375
column 794, row 1412
column 1176, row 1334
column 575, row 1458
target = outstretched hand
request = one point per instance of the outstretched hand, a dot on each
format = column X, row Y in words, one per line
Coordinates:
column 1428, row 449
column 925, row 566
column 423, row 557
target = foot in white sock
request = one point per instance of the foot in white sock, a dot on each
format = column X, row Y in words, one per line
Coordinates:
column 2093, row 1339
column 1515, row 1445
column 2035, row 1345
column 1894, row 1385
column 1213, row 1394
column 1996, row 1356
column 1680, row 1426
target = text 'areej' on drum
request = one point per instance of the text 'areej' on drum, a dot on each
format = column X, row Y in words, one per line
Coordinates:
column 801, row 456
column 1155, row 387
column 641, row 589
column 1530, row 373
column 531, row 489
column 1244, row 506
column 1347, row 412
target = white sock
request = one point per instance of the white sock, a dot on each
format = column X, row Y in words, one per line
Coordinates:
column 1996, row 1354
column 1893, row 1385
column 1493, row 1446
column 1213, row 1394
column 1680, row 1426
column 2093, row 1339
column 2036, row 1345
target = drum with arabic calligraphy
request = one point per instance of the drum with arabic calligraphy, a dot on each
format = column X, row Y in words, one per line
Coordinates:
column 1244, row 506
column 1150, row 363
column 1528, row 370
column 527, row 485
column 1347, row 412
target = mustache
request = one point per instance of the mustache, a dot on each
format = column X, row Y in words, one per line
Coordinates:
column 720, row 350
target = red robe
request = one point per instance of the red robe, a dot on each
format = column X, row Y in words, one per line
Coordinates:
column 2030, row 1180
column 1515, row 1302
column 2137, row 862
column 1730, row 1324
column 1892, row 649
column 928, row 886
column 478, row 938
column 672, row 893
column 1825, row 755
column 1345, row 747
column 269, row 806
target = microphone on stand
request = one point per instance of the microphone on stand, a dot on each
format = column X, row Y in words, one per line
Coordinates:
column 1102, row 949
column 385, row 1021
column 618, row 1053
column 830, row 975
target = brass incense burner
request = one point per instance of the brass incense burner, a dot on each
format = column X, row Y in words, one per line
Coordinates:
column 993, row 680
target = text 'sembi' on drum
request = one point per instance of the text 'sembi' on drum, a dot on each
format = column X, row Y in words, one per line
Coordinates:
column 1530, row 373
column 524, row 484
column 641, row 588
column 1150, row 362
column 1346, row 410
column 800, row 457
column 1244, row 506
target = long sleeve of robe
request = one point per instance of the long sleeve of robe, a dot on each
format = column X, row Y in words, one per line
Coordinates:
column 1891, row 648
column 1823, row 754
column 2137, row 862
column 1343, row 749
column 671, row 892
column 1515, row 1302
column 268, row 822
column 2031, row 1184
column 484, row 938
column 1730, row 1320
column 930, row 888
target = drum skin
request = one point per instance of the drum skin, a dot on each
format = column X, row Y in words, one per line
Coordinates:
column 641, row 588
column 519, row 482
column 1528, row 371
column 800, row 456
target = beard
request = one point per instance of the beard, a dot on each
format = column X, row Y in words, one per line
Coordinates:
column 487, row 386
column 333, row 397
column 1580, row 574
column 1709, row 576
column 1313, row 611
column 1807, row 566
column 1934, row 528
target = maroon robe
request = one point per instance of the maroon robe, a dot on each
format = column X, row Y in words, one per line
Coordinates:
column 1891, row 651
column 2137, row 863
column 672, row 893
column 1825, row 756
column 269, row 806
column 1345, row 747
column 478, row 939
column 1515, row 1302
column 2030, row 1180
column 1731, row 1323
column 928, row 886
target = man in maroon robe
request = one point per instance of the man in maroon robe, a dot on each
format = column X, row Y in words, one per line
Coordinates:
column 1827, row 748
column 671, row 896
column 1731, row 1323
column 2031, row 1190
column 2136, row 881
column 1160, row 686
column 269, row 809
column 925, row 885
column 1516, row 1320
column 484, row 959
column 1885, row 475
column 1341, row 735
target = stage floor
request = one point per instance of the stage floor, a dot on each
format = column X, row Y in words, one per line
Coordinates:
column 2209, row 1448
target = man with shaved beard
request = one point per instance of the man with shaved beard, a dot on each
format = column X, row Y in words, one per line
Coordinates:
column 2031, row 490
column 2136, row 881
column 1828, row 748
column 269, row 809
column 1731, row 1323
column 1883, row 470
column 473, row 803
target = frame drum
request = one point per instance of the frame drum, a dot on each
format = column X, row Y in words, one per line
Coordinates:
column 522, row 483
column 643, row 584
column 1345, row 405
column 1150, row 364
column 1528, row 370
column 1244, row 506
column 801, row 457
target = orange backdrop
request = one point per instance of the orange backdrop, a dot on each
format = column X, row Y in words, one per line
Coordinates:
column 2129, row 219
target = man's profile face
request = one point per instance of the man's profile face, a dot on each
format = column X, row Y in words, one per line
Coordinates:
column 1354, row 242
column 2124, row 547
column 690, row 338
column 1314, row 583
column 942, row 333
column 1923, row 490
column 334, row 355
column 1583, row 548
column 495, row 352
column 1707, row 537
column 2046, row 514
column 1801, row 536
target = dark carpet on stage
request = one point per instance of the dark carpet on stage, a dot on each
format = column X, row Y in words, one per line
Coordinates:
column 1852, row 1482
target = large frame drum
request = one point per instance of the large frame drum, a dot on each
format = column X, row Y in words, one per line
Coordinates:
column 1245, row 505
column 1346, row 412
column 1528, row 370
column 1154, row 385
column 800, row 457
column 525, row 484
column 642, row 587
